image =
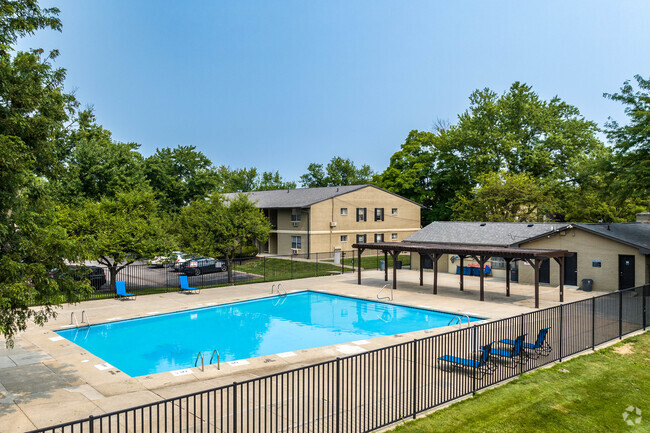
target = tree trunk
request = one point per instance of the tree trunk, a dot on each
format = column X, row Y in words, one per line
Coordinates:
column 112, row 270
column 229, row 266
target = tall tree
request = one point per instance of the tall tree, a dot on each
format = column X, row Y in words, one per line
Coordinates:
column 272, row 181
column 339, row 171
column 237, row 180
column 97, row 166
column 631, row 166
column 516, row 132
column 509, row 197
column 180, row 175
column 117, row 231
column 34, row 109
column 219, row 228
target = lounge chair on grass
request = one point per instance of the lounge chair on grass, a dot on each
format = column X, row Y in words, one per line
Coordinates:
column 481, row 365
column 540, row 348
column 120, row 291
column 514, row 356
column 185, row 286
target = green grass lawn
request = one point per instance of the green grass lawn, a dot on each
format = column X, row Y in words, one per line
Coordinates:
column 591, row 397
column 285, row 269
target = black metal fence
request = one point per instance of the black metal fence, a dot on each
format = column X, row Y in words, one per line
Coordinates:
column 143, row 279
column 363, row 392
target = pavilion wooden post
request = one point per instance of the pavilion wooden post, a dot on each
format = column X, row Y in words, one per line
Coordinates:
column 394, row 255
column 360, row 251
column 560, row 261
column 385, row 265
column 508, row 276
column 435, row 258
column 535, row 263
column 482, row 260
column 421, row 270
column 461, row 271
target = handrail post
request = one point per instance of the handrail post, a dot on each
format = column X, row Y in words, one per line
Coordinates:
column 91, row 425
column 620, row 314
column 561, row 326
column 338, row 394
column 593, row 323
column 415, row 376
column 234, row 407
column 474, row 345
column 521, row 350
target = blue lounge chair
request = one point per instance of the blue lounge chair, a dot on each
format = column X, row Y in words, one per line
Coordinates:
column 120, row 291
column 482, row 365
column 513, row 356
column 540, row 348
column 185, row 286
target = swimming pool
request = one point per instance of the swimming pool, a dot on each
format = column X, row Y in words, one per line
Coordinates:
column 248, row 329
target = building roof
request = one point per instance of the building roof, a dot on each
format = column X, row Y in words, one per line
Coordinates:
column 633, row 234
column 476, row 233
column 468, row 250
column 301, row 197
column 515, row 234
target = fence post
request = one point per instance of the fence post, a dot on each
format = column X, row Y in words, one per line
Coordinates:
column 291, row 265
column 338, row 394
column 234, row 407
column 264, row 264
column 620, row 314
column 415, row 376
column 561, row 326
column 343, row 262
column 472, row 351
column 91, row 420
column 645, row 306
column 521, row 351
column 593, row 323
column 317, row 254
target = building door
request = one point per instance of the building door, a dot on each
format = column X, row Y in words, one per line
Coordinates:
column 571, row 270
column 545, row 271
column 625, row 272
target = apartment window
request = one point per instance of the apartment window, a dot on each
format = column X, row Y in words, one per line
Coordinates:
column 344, row 211
column 296, row 242
column 379, row 237
column 498, row 263
column 394, row 211
column 296, row 214
column 394, row 236
column 361, row 239
column 361, row 214
column 379, row 214
column 344, row 238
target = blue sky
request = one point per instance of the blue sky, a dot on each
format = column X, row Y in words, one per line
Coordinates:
column 280, row 84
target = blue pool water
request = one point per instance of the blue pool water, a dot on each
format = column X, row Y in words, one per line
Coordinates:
column 247, row 329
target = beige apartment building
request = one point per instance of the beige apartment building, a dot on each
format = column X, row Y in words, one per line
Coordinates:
column 314, row 220
column 614, row 256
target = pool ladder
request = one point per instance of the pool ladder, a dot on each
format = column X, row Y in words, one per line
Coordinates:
column 390, row 298
column 460, row 320
column 280, row 289
column 84, row 319
column 200, row 356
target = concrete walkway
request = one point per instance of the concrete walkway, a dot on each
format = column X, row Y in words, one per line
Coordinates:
column 46, row 380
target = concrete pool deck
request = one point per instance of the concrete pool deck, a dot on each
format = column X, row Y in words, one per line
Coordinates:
column 46, row 380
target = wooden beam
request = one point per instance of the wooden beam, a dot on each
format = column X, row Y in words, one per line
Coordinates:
column 508, row 276
column 385, row 265
column 394, row 255
column 435, row 272
column 421, row 270
column 461, row 271
column 560, row 261
column 537, row 264
column 360, row 251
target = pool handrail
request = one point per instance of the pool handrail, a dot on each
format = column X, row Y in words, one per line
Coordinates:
column 279, row 286
column 218, row 362
column 460, row 321
column 390, row 298
column 200, row 355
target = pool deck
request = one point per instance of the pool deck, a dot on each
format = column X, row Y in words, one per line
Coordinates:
column 46, row 380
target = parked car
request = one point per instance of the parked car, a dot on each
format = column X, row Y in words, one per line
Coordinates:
column 94, row 274
column 180, row 260
column 165, row 261
column 203, row 265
